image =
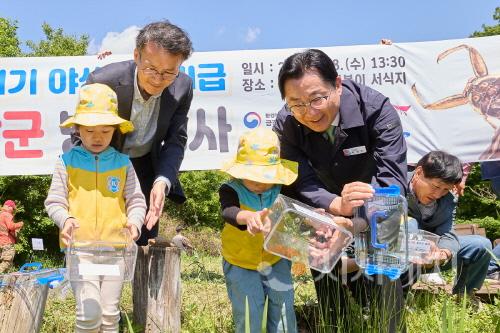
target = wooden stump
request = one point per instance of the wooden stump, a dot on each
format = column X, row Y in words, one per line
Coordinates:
column 157, row 288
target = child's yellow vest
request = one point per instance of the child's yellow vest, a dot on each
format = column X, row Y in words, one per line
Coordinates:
column 238, row 246
column 95, row 193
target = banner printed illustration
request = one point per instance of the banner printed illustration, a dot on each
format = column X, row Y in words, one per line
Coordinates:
column 434, row 86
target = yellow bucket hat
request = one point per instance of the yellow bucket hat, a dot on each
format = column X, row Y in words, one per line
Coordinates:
column 98, row 105
column 258, row 159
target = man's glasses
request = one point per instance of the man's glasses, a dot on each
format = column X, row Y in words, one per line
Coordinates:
column 163, row 76
column 317, row 103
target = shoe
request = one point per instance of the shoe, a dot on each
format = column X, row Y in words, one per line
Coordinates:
column 495, row 276
column 433, row 278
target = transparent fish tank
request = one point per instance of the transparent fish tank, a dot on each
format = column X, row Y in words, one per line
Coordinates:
column 88, row 260
column 421, row 245
column 383, row 247
column 303, row 235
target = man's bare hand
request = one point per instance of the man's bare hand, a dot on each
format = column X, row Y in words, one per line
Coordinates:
column 353, row 195
column 156, row 202
column 436, row 257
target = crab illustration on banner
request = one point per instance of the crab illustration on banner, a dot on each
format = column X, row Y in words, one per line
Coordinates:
column 481, row 91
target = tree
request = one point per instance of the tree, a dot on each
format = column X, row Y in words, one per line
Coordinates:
column 58, row 44
column 29, row 192
column 9, row 43
column 490, row 30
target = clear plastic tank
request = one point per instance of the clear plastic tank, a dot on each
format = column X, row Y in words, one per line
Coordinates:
column 303, row 235
column 383, row 247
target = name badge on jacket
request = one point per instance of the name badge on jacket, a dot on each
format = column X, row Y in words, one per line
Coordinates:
column 354, row 151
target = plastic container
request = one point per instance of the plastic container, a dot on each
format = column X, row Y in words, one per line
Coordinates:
column 92, row 260
column 23, row 296
column 382, row 247
column 420, row 246
column 302, row 235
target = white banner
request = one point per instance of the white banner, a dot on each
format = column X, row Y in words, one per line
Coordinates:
column 454, row 104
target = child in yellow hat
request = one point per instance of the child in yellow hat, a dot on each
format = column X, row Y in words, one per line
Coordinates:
column 251, row 272
column 95, row 193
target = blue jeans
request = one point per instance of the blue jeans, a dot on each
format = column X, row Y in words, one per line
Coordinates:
column 472, row 263
column 275, row 283
column 493, row 265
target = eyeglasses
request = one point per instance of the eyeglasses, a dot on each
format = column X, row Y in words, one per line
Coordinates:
column 164, row 76
column 317, row 103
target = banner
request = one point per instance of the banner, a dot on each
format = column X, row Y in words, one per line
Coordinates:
column 446, row 93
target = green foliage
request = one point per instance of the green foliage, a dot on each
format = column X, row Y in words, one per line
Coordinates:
column 478, row 201
column 491, row 224
column 452, row 321
column 263, row 327
column 9, row 43
column 479, row 205
column 247, row 316
column 202, row 205
column 490, row 30
column 128, row 325
column 58, row 44
column 29, row 193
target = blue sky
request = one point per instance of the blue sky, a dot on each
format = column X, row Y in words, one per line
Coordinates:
column 259, row 24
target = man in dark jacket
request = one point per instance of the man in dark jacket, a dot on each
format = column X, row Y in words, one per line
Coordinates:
column 432, row 204
column 155, row 96
column 347, row 139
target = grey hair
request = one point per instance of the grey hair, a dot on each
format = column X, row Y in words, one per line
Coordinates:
column 168, row 36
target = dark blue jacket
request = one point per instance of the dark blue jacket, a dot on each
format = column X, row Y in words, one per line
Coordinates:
column 368, row 119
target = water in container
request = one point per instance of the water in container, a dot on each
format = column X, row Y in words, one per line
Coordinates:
column 303, row 235
column 421, row 244
column 383, row 247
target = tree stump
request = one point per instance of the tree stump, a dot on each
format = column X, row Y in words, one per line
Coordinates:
column 157, row 288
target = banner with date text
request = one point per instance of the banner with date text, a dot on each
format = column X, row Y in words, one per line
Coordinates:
column 447, row 94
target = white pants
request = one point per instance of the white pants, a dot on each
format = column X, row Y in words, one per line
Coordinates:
column 97, row 302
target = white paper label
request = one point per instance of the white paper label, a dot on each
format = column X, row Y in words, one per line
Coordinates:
column 98, row 269
column 423, row 246
column 312, row 214
column 37, row 244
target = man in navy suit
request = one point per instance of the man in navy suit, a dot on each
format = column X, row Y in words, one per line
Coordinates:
column 347, row 139
column 155, row 96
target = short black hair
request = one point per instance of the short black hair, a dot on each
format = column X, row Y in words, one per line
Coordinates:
column 166, row 35
column 441, row 165
column 296, row 65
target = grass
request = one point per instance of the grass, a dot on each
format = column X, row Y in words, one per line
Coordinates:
column 206, row 307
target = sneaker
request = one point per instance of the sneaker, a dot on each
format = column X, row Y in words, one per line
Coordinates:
column 495, row 276
column 433, row 278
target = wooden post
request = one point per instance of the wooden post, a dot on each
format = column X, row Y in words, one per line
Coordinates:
column 157, row 287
